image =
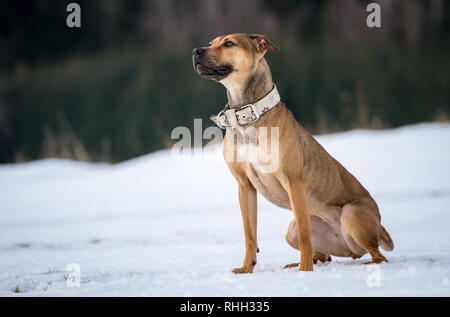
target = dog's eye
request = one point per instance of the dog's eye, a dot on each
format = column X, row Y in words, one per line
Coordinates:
column 228, row 44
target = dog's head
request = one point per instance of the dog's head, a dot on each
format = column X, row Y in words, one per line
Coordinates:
column 232, row 57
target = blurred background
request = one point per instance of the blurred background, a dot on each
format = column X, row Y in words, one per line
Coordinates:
column 116, row 87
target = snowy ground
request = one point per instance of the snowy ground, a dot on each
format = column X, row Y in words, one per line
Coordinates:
column 154, row 227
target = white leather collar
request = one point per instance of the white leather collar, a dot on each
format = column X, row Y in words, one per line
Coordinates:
column 247, row 114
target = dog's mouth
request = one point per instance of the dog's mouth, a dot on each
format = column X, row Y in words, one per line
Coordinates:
column 213, row 72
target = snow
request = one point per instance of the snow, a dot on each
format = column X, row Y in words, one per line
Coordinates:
column 156, row 226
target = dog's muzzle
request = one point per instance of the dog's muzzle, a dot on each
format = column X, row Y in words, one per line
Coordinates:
column 205, row 67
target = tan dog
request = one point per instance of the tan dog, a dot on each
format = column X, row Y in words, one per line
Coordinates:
column 334, row 213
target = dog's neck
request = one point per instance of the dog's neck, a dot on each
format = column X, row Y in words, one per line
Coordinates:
column 254, row 88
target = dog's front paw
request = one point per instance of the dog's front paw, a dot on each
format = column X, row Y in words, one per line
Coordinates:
column 306, row 266
column 243, row 270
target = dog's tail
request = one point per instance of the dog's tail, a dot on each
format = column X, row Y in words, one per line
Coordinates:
column 386, row 242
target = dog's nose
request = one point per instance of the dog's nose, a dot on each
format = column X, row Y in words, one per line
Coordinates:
column 198, row 51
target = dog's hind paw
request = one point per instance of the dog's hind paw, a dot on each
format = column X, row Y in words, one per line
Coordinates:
column 288, row 266
column 242, row 270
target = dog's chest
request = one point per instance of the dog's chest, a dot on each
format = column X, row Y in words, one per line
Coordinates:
column 260, row 167
column 267, row 185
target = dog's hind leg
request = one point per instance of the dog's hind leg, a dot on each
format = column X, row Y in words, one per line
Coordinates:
column 361, row 230
column 317, row 257
column 292, row 240
column 322, row 257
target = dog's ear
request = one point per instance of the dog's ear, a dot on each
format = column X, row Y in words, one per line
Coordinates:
column 262, row 43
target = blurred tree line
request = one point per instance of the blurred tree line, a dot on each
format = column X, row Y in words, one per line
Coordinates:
column 116, row 87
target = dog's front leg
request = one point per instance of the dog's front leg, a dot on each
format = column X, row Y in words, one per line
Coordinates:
column 247, row 201
column 297, row 197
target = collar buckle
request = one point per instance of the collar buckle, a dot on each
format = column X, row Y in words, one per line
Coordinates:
column 255, row 112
